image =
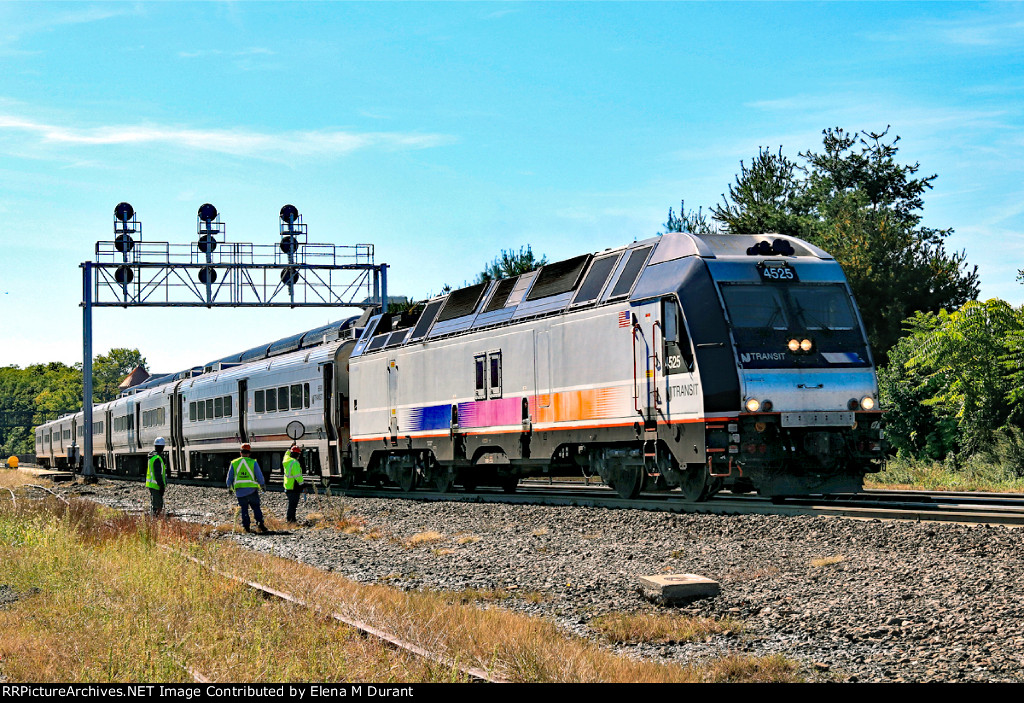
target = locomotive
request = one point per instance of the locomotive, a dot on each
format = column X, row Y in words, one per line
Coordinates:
column 697, row 362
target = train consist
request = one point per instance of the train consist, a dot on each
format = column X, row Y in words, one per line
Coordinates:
column 682, row 361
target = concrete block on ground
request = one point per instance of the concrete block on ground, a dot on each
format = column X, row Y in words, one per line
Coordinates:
column 671, row 588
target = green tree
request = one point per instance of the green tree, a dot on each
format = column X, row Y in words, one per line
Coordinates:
column 766, row 197
column 509, row 263
column 854, row 200
column 957, row 370
column 689, row 221
column 108, row 370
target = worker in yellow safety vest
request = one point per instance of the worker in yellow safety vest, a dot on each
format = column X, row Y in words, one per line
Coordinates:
column 292, row 479
column 246, row 480
column 156, row 476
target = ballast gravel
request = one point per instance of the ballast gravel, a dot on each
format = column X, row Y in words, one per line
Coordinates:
column 850, row 600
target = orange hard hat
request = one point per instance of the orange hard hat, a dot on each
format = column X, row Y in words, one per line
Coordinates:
column 246, row 447
column 295, row 449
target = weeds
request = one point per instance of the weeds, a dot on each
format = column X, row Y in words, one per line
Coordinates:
column 827, row 561
column 661, row 628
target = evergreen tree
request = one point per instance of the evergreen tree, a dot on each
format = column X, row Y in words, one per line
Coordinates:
column 855, row 201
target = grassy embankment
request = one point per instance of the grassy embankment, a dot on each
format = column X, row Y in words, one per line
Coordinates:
column 90, row 597
column 978, row 473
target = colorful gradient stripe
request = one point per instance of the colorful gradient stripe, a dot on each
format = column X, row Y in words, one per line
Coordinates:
column 563, row 406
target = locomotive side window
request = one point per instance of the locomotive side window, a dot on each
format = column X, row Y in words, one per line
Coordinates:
column 296, row 396
column 201, row 407
column 678, row 352
column 258, row 401
column 480, row 367
column 494, row 363
column 305, row 395
column 192, row 415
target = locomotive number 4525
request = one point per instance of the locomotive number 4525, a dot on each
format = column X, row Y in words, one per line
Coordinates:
column 776, row 271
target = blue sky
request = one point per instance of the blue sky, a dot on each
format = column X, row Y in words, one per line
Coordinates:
column 442, row 133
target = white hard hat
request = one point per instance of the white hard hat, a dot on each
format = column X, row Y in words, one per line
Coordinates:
column 159, row 441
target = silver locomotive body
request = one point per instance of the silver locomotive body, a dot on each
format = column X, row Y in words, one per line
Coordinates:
column 664, row 363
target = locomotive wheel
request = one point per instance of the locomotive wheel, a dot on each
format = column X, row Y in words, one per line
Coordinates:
column 444, row 479
column 407, row 478
column 629, row 480
column 696, row 484
column 509, row 483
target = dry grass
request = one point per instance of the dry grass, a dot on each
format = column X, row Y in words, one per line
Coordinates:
column 101, row 603
column 114, row 608
column 828, row 561
column 540, row 532
column 467, row 539
column 424, row 538
column 661, row 628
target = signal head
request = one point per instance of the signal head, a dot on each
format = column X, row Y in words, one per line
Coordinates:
column 124, row 212
column 207, row 212
column 289, row 214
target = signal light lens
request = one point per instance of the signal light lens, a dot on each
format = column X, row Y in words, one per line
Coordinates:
column 867, row 402
column 766, row 406
column 753, row 405
column 123, row 212
column 207, row 212
column 806, row 345
column 289, row 214
column 853, row 404
column 794, row 345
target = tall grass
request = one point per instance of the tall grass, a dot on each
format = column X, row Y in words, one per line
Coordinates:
column 99, row 602
column 976, row 473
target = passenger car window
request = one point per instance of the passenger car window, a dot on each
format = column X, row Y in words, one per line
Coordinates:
column 258, row 401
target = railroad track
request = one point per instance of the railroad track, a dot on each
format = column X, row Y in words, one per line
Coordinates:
column 986, row 508
column 940, row 506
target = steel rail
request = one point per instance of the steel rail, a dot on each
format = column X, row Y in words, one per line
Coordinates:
column 939, row 506
column 723, row 504
column 362, row 627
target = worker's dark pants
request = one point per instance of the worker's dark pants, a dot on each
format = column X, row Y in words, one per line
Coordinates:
column 247, row 501
column 293, row 501
column 156, row 500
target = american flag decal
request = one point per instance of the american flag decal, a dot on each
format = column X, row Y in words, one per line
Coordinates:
column 624, row 318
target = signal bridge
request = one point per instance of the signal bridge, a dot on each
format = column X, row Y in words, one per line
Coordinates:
column 215, row 272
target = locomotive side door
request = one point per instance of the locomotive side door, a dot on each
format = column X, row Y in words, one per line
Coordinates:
column 393, row 399
column 676, row 390
column 645, row 360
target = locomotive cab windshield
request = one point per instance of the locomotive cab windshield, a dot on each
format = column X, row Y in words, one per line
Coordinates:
column 766, row 318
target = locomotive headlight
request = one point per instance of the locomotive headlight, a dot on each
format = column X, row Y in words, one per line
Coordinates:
column 867, row 402
column 794, row 345
column 753, row 405
column 806, row 345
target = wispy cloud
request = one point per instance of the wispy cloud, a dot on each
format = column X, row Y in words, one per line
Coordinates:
column 204, row 53
column 989, row 30
column 236, row 142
